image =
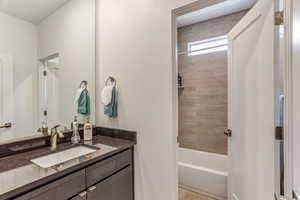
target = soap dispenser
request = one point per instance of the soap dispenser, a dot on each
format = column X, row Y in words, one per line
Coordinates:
column 75, row 137
column 88, row 131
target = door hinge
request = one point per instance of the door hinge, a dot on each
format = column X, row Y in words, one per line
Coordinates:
column 279, row 133
column 45, row 73
column 279, row 18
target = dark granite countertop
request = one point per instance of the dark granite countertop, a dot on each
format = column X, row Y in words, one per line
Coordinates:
column 19, row 175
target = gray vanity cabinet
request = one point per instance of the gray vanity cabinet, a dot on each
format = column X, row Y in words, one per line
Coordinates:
column 108, row 179
column 117, row 187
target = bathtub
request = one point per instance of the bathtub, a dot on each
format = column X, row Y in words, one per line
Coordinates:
column 203, row 172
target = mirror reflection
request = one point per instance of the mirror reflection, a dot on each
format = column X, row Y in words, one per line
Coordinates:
column 47, row 65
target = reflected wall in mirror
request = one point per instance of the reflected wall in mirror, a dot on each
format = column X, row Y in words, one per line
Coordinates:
column 47, row 48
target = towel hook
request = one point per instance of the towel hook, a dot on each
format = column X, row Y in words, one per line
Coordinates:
column 83, row 83
column 111, row 79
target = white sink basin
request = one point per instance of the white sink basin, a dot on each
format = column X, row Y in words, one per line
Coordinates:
column 63, row 156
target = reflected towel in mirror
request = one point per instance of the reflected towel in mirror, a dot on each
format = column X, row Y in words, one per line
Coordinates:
column 84, row 104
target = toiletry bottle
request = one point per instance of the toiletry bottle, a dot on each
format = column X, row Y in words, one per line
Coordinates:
column 75, row 137
column 88, row 131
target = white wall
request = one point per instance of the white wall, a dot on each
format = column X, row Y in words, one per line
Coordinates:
column 70, row 31
column 19, row 38
column 134, row 46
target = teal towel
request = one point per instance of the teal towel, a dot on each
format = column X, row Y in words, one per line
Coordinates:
column 111, row 109
column 84, row 104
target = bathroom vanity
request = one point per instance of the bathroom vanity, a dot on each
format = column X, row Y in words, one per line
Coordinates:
column 106, row 173
column 107, row 179
column 48, row 65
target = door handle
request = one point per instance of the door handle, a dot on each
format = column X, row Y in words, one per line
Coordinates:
column 6, row 125
column 92, row 188
column 92, row 193
column 82, row 194
column 228, row 132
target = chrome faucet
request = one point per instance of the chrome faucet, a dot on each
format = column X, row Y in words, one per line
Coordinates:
column 53, row 137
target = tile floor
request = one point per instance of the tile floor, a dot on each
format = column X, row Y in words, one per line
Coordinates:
column 188, row 195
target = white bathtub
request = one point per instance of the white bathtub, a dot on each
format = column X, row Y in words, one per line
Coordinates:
column 203, row 172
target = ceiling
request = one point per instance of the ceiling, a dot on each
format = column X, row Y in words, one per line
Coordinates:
column 33, row 11
column 225, row 8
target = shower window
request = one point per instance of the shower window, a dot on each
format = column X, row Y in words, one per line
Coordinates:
column 211, row 45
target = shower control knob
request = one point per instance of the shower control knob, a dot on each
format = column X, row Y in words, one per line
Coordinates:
column 228, row 132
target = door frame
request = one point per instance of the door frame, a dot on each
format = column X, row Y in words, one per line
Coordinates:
column 289, row 117
column 176, row 12
column 288, row 106
column 187, row 8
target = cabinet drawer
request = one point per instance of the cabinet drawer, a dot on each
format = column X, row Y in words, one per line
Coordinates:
column 103, row 169
column 117, row 187
column 61, row 189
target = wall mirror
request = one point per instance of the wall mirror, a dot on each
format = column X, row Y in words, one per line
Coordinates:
column 47, row 49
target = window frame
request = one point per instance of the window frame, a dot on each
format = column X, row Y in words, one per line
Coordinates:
column 207, row 50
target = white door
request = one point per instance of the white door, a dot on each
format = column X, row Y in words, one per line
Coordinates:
column 49, row 96
column 6, row 97
column 251, row 105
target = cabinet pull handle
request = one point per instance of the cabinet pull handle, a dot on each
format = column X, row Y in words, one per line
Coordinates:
column 92, row 188
column 82, row 194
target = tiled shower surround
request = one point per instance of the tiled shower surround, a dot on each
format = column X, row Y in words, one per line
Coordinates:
column 203, row 102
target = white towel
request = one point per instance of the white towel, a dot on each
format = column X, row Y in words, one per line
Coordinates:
column 106, row 94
